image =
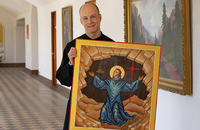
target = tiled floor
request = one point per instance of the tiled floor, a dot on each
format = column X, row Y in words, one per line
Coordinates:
column 28, row 104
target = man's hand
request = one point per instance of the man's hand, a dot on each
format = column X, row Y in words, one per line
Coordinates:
column 140, row 78
column 91, row 73
column 72, row 54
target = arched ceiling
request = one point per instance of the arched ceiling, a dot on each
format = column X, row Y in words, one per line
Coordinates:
column 18, row 7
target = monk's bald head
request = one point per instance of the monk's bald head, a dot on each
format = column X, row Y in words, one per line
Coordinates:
column 88, row 5
column 90, row 19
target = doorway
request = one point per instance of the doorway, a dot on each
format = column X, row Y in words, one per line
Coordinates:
column 20, row 41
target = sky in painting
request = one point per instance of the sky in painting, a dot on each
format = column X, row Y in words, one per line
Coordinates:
column 151, row 13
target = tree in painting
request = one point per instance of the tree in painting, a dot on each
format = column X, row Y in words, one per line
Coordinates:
column 168, row 32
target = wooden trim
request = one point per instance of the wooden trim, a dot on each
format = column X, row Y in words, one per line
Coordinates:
column 34, row 71
column 45, row 80
column 91, row 1
column 12, row 64
column 63, row 89
column 48, row 82
column 53, row 44
column 31, row 71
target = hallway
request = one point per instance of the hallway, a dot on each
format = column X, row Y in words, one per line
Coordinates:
column 28, row 104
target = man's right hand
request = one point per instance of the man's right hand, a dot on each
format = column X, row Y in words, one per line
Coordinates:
column 72, row 54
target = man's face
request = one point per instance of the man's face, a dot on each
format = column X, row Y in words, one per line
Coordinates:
column 116, row 74
column 90, row 19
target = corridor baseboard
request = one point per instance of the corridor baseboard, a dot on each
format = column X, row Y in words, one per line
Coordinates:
column 31, row 71
column 12, row 64
column 48, row 82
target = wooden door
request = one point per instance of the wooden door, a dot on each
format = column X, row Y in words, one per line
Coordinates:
column 53, row 32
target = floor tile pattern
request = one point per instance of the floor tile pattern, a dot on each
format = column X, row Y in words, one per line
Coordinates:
column 28, row 104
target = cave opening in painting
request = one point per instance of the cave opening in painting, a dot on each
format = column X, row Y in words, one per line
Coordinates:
column 162, row 27
column 101, row 68
column 111, row 83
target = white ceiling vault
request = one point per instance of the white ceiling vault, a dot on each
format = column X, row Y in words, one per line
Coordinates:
column 18, row 7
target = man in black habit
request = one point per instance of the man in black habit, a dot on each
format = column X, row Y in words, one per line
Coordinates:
column 90, row 18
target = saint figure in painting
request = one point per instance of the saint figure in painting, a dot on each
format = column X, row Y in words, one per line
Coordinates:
column 112, row 111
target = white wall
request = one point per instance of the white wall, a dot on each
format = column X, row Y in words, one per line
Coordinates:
column 112, row 23
column 27, row 41
column 44, row 32
column 11, row 48
column 31, row 44
column 174, row 111
column 9, row 23
column 44, row 36
column 34, row 38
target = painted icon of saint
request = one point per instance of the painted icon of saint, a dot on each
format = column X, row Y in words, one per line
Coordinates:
column 112, row 111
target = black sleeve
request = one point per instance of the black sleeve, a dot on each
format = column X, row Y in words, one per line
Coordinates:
column 65, row 72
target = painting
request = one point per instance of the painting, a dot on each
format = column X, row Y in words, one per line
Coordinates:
column 114, row 86
column 1, row 35
column 165, row 23
column 67, row 25
column 1, row 42
column 91, row 1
